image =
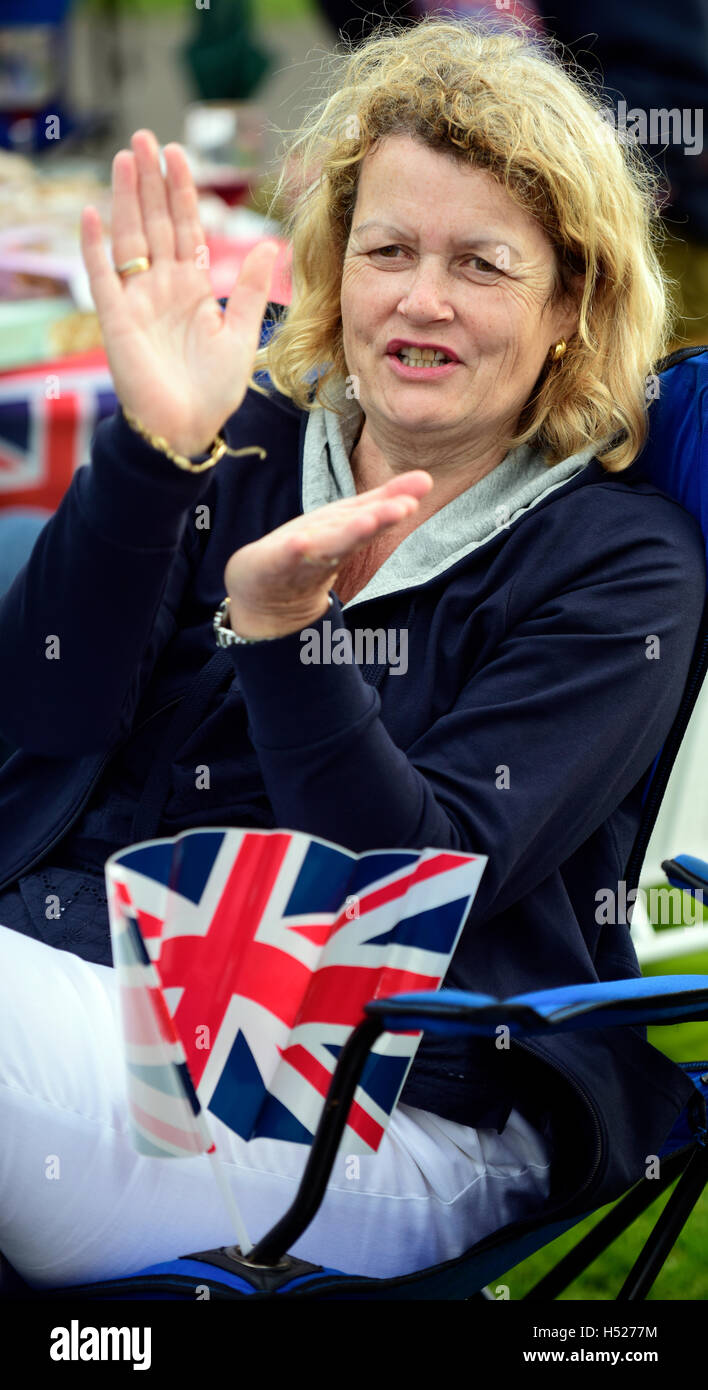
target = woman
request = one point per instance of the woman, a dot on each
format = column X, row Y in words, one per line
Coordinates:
column 467, row 199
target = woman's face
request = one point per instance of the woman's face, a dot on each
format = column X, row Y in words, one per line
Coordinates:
column 440, row 254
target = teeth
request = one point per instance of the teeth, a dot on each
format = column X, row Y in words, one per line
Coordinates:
column 417, row 357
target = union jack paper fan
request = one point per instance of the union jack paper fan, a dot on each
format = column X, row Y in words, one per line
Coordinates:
column 245, row 959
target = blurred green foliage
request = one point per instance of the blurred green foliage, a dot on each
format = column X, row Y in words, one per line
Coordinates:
column 266, row 9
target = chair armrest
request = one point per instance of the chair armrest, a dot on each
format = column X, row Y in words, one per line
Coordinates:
column 685, row 871
column 607, row 1003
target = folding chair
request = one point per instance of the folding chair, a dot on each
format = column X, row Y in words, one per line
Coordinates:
column 270, row 1271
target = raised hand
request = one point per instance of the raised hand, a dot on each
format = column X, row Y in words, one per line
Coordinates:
column 178, row 363
column 280, row 584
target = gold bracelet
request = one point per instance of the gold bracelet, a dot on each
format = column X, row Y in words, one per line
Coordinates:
column 217, row 451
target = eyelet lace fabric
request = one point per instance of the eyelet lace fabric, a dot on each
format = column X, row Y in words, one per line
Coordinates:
column 63, row 902
column 67, row 908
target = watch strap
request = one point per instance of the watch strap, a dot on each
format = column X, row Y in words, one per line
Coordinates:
column 225, row 635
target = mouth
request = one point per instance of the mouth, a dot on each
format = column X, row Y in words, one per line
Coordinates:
column 414, row 363
column 420, row 354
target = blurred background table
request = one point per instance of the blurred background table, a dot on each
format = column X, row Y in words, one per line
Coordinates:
column 49, row 408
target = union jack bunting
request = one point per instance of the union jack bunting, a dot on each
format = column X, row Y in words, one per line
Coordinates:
column 245, row 959
column 48, row 414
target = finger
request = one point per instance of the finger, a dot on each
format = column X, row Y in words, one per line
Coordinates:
column 383, row 510
column 244, row 310
column 339, row 536
column 294, row 553
column 157, row 221
column 415, row 483
column 183, row 202
column 105, row 284
column 127, row 232
column 331, row 512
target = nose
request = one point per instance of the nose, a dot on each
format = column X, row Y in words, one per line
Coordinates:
column 425, row 297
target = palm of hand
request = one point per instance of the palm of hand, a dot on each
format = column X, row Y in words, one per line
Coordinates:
column 174, row 356
column 178, row 364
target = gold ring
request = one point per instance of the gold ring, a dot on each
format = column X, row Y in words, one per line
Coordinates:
column 133, row 267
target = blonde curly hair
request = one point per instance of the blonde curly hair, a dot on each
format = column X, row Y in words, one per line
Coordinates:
column 515, row 106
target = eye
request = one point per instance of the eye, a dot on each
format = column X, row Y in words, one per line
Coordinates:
column 484, row 266
column 380, row 251
column 477, row 263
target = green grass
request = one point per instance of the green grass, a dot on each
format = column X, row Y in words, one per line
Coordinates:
column 685, row 1274
column 265, row 9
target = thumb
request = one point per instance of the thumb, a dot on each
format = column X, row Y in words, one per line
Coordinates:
column 250, row 294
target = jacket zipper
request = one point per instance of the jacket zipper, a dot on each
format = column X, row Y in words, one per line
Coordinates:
column 74, row 815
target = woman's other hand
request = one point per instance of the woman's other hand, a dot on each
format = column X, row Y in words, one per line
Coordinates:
column 178, row 362
column 281, row 583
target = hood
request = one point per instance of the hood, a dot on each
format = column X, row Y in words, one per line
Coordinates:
column 489, row 505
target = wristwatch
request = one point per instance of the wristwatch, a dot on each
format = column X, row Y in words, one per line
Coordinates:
column 225, row 635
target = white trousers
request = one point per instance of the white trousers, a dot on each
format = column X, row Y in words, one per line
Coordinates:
column 77, row 1203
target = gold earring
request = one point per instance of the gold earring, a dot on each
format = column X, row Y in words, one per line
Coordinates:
column 557, row 352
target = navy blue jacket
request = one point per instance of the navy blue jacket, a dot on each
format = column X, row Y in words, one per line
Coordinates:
column 532, row 708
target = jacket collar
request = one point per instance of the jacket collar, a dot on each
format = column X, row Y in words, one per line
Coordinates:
column 475, row 516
